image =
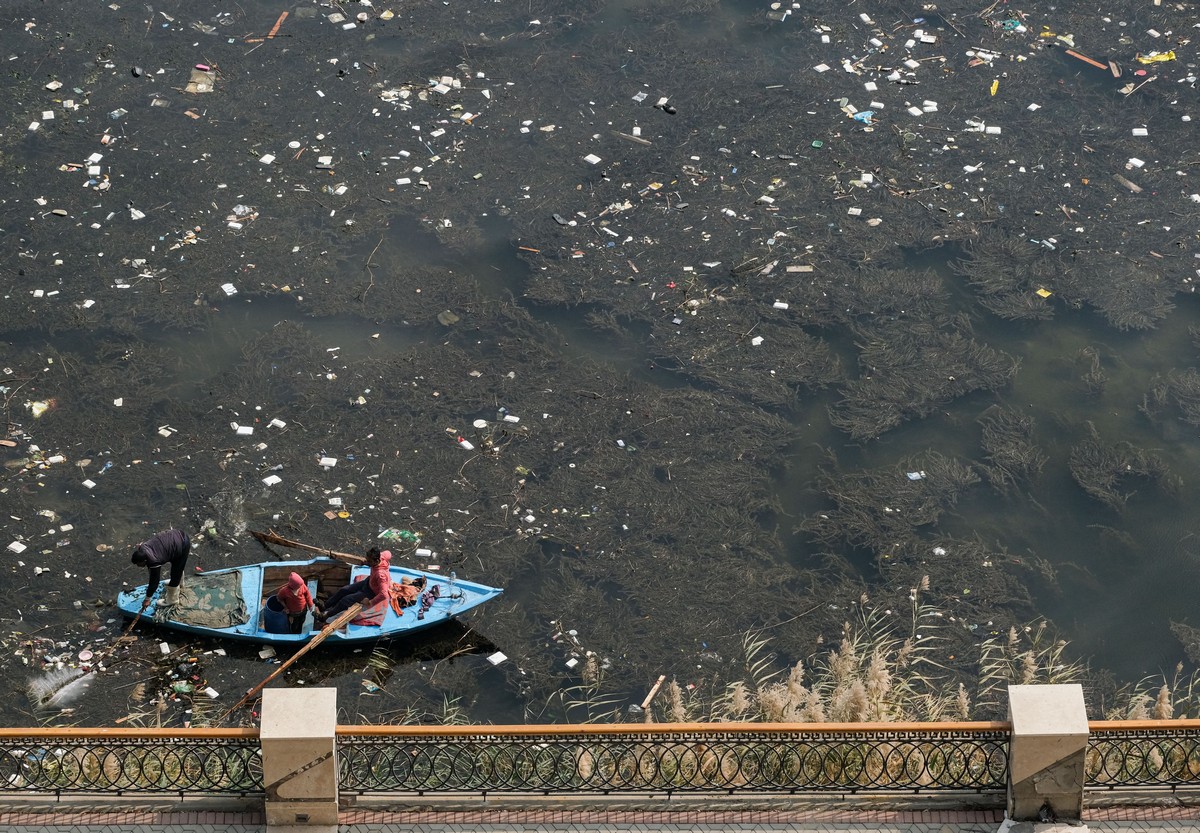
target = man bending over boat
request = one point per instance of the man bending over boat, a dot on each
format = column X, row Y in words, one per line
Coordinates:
column 376, row 587
column 170, row 547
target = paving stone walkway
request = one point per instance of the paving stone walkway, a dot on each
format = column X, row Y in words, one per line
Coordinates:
column 1106, row 820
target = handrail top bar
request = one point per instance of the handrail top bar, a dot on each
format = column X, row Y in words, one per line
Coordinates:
column 131, row 733
column 1135, row 725
column 672, row 728
column 589, row 729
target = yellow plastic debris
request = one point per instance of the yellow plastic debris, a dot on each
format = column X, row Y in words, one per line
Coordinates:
column 38, row 408
column 995, row 86
column 1045, row 293
column 1156, row 57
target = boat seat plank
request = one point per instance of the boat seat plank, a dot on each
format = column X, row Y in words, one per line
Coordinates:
column 308, row 617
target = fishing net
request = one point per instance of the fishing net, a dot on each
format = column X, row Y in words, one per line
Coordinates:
column 212, row 601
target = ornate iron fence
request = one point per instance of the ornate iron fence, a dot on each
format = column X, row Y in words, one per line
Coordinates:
column 205, row 761
column 715, row 758
column 1149, row 754
column 601, row 760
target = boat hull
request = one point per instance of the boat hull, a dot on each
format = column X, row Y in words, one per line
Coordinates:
column 237, row 597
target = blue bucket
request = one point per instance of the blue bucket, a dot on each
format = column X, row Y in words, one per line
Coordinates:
column 275, row 618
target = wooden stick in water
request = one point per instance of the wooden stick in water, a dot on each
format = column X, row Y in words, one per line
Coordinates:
column 1086, row 59
column 96, row 658
column 342, row 619
column 272, row 538
column 653, row 692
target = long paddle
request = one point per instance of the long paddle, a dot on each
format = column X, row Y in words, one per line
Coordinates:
column 129, row 629
column 342, row 619
column 102, row 655
column 272, row 538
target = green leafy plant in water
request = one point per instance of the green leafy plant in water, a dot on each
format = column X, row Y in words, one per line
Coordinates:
column 450, row 713
column 380, row 660
column 589, row 701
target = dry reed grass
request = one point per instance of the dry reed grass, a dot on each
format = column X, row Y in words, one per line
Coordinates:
column 885, row 668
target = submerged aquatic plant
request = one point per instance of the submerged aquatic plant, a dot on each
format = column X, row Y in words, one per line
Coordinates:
column 1104, row 470
column 1011, row 457
column 910, row 369
column 591, row 701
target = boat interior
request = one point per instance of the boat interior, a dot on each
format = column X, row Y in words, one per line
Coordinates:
column 326, row 577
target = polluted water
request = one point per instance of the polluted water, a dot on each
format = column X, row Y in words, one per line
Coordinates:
column 646, row 313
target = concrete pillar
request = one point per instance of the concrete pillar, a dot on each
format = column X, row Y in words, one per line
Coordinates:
column 299, row 761
column 1046, row 756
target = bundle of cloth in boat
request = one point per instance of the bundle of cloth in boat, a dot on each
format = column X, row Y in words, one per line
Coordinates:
column 428, row 598
column 210, row 600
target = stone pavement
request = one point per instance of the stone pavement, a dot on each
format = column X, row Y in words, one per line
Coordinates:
column 1101, row 820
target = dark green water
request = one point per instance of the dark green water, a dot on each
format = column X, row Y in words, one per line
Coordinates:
column 368, row 270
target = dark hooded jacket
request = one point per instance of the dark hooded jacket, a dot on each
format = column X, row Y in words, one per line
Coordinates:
column 163, row 548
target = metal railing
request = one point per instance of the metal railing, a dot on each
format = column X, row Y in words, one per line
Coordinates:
column 662, row 759
column 120, row 761
column 1143, row 754
column 633, row 760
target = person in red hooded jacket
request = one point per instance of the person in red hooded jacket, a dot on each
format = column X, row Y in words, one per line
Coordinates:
column 296, row 601
column 375, row 588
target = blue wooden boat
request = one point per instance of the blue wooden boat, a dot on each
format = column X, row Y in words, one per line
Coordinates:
column 238, row 603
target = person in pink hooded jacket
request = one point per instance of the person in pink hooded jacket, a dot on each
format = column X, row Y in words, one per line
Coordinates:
column 296, row 601
column 375, row 588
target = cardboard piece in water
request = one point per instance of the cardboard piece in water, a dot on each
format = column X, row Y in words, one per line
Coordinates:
column 202, row 80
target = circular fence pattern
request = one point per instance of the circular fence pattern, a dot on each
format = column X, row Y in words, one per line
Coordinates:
column 702, row 762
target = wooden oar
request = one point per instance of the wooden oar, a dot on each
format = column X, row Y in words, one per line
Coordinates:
column 272, row 538
column 131, row 625
column 342, row 619
column 99, row 656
